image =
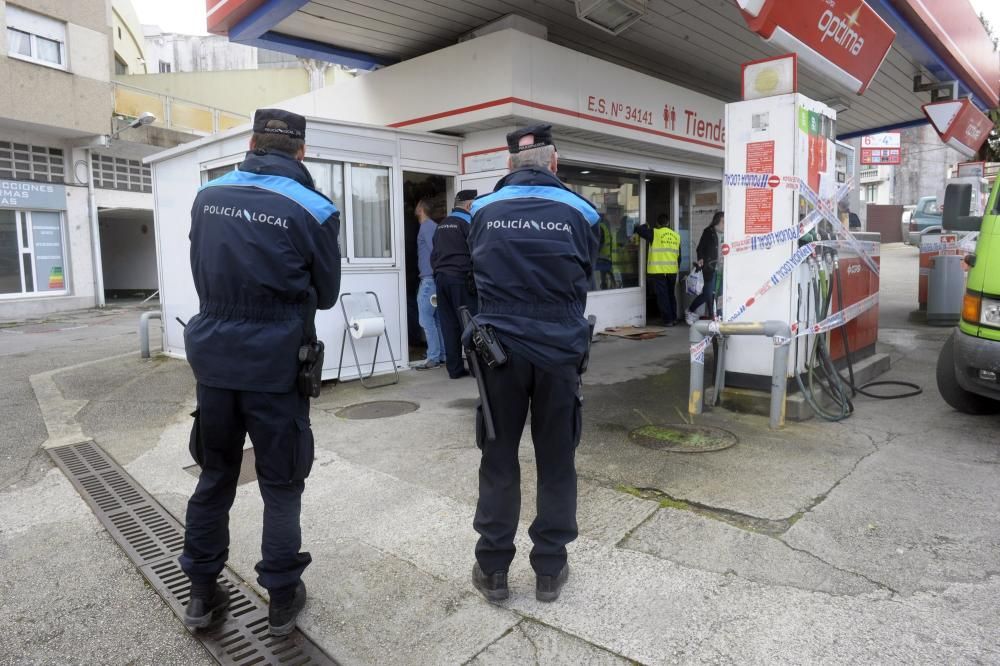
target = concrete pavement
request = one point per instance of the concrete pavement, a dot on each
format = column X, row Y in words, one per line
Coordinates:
column 874, row 540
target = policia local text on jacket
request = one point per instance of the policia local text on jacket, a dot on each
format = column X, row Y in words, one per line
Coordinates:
column 663, row 259
column 264, row 256
column 533, row 249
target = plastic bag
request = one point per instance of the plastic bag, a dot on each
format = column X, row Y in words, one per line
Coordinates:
column 695, row 282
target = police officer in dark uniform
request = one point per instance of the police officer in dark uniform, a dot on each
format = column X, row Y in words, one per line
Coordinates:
column 533, row 250
column 452, row 266
column 265, row 257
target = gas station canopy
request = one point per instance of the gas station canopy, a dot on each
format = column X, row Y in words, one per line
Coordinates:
column 698, row 44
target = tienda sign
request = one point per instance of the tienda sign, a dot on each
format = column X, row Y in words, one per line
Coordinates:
column 844, row 40
column 960, row 125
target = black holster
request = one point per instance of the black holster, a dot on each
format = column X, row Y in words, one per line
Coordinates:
column 310, row 377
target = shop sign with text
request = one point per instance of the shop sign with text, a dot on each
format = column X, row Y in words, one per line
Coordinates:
column 844, row 40
column 33, row 196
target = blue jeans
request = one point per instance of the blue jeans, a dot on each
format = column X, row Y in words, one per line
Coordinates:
column 428, row 318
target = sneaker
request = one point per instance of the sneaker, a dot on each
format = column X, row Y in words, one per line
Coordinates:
column 493, row 587
column 281, row 617
column 461, row 373
column 547, row 588
column 691, row 318
column 427, row 365
column 205, row 605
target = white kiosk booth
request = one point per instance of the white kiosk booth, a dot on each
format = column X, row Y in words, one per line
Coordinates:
column 362, row 169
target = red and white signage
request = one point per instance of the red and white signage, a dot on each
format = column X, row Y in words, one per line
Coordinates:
column 759, row 217
column 844, row 40
column 960, row 125
column 881, row 149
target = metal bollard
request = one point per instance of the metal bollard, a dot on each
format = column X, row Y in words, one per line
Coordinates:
column 779, row 371
column 144, row 331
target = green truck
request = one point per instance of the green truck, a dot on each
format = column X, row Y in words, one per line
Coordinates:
column 969, row 365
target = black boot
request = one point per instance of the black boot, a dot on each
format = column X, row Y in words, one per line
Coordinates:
column 493, row 587
column 281, row 615
column 547, row 588
column 205, row 605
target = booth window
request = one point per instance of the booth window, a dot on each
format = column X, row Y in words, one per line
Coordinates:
column 34, row 37
column 32, row 253
column 615, row 194
column 370, row 218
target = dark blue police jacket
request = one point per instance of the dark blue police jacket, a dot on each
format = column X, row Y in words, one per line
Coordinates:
column 533, row 249
column 262, row 238
column 450, row 255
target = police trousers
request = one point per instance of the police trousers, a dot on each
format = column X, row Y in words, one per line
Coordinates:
column 556, row 411
column 278, row 425
column 453, row 293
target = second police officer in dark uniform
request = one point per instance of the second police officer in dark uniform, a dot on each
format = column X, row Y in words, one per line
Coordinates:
column 453, row 278
column 533, row 249
column 264, row 257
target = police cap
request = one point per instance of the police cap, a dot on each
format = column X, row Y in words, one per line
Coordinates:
column 541, row 135
column 295, row 124
column 466, row 195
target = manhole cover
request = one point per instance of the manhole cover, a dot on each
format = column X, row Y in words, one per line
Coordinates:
column 683, row 438
column 378, row 409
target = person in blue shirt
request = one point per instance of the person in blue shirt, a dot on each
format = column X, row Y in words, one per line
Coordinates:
column 264, row 258
column 426, row 310
column 533, row 246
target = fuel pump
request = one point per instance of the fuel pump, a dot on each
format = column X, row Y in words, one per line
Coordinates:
column 789, row 258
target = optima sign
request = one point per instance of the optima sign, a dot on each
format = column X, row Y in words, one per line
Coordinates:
column 844, row 40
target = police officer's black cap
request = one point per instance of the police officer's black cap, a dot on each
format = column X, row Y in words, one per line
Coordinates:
column 295, row 124
column 466, row 195
column 541, row 135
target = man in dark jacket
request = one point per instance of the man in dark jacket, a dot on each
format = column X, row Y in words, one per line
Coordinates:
column 264, row 257
column 453, row 278
column 708, row 261
column 533, row 251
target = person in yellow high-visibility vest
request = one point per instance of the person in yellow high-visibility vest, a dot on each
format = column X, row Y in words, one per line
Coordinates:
column 663, row 259
column 605, row 253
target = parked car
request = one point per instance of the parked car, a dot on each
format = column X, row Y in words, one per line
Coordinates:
column 905, row 223
column 927, row 213
column 968, row 369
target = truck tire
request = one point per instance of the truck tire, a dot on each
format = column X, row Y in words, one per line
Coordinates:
column 952, row 392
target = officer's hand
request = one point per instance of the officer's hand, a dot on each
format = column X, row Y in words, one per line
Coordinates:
column 701, row 262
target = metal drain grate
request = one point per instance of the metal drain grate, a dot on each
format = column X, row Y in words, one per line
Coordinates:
column 153, row 539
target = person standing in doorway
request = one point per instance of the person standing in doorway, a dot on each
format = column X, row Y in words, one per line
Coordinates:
column 662, row 265
column 708, row 261
column 452, row 266
column 426, row 310
column 264, row 258
column 533, row 249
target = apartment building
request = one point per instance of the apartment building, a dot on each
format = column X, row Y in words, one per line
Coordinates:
column 76, row 201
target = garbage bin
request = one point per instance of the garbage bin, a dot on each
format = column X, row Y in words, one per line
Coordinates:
column 945, row 290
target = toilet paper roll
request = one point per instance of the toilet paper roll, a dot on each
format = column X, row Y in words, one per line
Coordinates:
column 367, row 327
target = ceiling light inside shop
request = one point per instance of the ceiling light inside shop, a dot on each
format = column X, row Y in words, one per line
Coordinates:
column 585, row 172
column 612, row 16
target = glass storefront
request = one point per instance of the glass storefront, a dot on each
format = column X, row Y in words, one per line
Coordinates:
column 616, row 196
column 32, row 252
column 684, row 204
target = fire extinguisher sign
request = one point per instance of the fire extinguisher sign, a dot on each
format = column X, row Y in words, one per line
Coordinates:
column 760, row 201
